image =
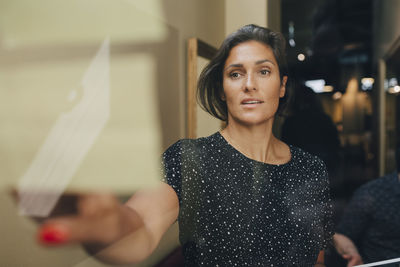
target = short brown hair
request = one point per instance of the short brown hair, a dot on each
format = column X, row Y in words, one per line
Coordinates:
column 210, row 84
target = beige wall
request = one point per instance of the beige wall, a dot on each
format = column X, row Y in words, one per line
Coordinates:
column 239, row 13
column 46, row 47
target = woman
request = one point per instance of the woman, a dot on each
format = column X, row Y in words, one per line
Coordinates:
column 241, row 196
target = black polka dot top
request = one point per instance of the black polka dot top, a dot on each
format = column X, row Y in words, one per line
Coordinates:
column 235, row 211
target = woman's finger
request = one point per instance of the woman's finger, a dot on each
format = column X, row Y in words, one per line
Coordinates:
column 80, row 229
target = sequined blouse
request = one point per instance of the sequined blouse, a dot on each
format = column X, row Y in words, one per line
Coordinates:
column 235, row 211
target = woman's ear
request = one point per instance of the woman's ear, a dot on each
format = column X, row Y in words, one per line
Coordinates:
column 222, row 95
column 282, row 90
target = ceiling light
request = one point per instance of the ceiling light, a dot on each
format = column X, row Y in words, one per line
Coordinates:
column 394, row 89
column 390, row 85
column 301, row 57
column 393, row 82
column 316, row 85
column 367, row 83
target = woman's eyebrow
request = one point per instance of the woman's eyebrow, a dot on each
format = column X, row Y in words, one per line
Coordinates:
column 234, row 66
column 264, row 60
column 239, row 65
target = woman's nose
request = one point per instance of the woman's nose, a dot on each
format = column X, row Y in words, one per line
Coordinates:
column 250, row 83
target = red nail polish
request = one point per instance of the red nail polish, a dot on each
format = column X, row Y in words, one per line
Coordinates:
column 53, row 235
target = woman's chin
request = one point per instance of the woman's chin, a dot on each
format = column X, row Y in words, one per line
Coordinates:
column 252, row 121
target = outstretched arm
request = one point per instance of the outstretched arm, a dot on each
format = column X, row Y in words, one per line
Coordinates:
column 113, row 232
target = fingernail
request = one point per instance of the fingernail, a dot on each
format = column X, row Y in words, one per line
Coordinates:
column 51, row 234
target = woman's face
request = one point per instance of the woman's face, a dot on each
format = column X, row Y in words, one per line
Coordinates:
column 252, row 85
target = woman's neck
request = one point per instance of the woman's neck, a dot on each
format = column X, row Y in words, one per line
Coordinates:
column 257, row 143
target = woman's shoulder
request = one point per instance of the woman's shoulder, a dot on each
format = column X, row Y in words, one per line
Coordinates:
column 190, row 146
column 306, row 159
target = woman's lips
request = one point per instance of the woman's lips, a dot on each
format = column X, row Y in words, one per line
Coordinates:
column 251, row 102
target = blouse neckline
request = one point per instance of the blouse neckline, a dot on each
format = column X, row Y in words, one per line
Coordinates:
column 234, row 150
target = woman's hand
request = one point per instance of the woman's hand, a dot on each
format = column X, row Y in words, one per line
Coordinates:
column 114, row 232
column 100, row 219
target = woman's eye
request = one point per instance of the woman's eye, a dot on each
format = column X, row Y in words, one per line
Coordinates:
column 264, row 72
column 234, row 75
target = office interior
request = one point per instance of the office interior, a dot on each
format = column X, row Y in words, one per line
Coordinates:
column 53, row 53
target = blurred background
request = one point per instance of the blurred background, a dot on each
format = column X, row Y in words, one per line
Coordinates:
column 348, row 53
column 93, row 91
